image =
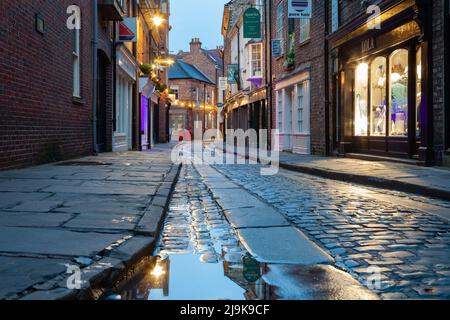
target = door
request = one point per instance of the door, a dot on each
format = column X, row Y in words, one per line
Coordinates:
column 101, row 104
column 155, row 123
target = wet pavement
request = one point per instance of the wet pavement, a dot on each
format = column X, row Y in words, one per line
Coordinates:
column 364, row 229
column 232, row 233
column 200, row 256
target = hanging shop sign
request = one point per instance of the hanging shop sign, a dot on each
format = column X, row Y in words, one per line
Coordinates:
column 233, row 73
column 276, row 48
column 300, row 9
column 223, row 81
column 127, row 30
column 252, row 24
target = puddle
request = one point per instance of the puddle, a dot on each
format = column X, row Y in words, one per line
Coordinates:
column 199, row 257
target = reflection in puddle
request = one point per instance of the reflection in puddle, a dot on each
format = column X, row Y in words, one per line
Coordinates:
column 199, row 257
column 188, row 276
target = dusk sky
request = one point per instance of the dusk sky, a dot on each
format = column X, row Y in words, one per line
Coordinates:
column 195, row 19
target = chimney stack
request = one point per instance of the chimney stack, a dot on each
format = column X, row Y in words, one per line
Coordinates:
column 195, row 45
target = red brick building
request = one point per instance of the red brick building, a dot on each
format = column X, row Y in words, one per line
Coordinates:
column 46, row 82
column 209, row 62
column 67, row 92
column 298, row 79
column 193, row 100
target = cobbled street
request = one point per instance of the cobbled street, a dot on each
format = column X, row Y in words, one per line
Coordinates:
column 411, row 247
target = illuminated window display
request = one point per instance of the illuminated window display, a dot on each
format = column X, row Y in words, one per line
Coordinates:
column 418, row 90
column 378, row 97
column 382, row 93
column 361, row 97
column 398, row 93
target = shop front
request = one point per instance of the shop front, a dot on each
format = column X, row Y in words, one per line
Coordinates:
column 384, row 101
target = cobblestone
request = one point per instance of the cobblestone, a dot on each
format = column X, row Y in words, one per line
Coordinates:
column 359, row 231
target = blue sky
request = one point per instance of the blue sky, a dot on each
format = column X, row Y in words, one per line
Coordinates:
column 195, row 19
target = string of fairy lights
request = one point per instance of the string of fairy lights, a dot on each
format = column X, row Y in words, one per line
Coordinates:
column 193, row 105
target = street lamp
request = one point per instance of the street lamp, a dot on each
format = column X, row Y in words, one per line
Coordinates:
column 158, row 20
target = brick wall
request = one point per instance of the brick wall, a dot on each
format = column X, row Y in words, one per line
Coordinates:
column 186, row 94
column 308, row 56
column 438, row 80
column 38, row 114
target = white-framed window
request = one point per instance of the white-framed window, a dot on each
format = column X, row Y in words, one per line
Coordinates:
column 175, row 93
column 334, row 15
column 280, row 110
column 256, row 60
column 302, row 107
column 76, row 63
column 280, row 25
column 305, row 27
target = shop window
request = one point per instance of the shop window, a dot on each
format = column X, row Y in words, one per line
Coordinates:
column 418, row 90
column 361, row 95
column 304, row 30
column 378, row 97
column 398, row 62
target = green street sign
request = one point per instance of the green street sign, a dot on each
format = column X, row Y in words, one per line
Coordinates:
column 233, row 73
column 252, row 23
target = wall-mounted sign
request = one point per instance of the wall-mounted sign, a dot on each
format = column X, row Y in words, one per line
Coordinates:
column 233, row 73
column 300, row 9
column 276, row 48
column 127, row 30
column 223, row 81
column 252, row 23
column 367, row 45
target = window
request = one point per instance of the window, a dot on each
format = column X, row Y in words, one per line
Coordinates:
column 304, row 30
column 334, row 15
column 303, row 107
column 175, row 93
column 398, row 78
column 378, row 97
column 280, row 25
column 361, row 94
column 76, row 63
column 418, row 90
column 256, row 60
column 280, row 110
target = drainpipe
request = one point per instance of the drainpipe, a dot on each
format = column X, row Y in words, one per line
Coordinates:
column 239, row 57
column 95, row 75
column 268, row 35
column 327, row 82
